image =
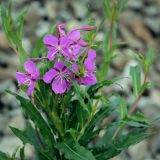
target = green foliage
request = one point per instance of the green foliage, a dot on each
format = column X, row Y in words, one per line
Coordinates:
column 14, row 30
column 73, row 151
column 68, row 126
column 4, row 156
column 135, row 72
column 110, row 150
column 31, row 111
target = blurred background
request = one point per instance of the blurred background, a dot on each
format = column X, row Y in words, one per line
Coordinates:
column 139, row 25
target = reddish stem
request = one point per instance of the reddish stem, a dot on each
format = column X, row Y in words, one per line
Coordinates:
column 132, row 110
column 111, row 32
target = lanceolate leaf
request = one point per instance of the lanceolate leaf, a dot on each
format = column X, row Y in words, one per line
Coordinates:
column 120, row 144
column 36, row 117
column 123, row 109
column 94, row 88
column 73, row 151
column 135, row 73
column 4, row 156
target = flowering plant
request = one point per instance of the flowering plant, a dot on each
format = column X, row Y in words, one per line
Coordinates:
column 68, row 115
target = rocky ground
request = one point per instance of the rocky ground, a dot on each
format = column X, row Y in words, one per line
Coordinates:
column 139, row 25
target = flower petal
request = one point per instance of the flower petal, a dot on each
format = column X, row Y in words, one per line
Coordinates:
column 51, row 54
column 89, row 79
column 82, row 43
column 21, row 77
column 74, row 35
column 50, row 40
column 67, row 53
column 60, row 66
column 60, row 85
column 75, row 67
column 64, row 42
column 61, row 28
column 31, row 68
column 30, row 88
column 89, row 65
column 49, row 75
column 91, row 54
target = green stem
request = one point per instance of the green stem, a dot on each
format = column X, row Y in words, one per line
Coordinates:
column 88, row 121
column 55, row 118
column 57, row 122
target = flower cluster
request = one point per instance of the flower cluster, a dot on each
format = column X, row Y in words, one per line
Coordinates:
column 73, row 60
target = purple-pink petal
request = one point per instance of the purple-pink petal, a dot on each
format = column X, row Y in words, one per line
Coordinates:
column 30, row 88
column 89, row 79
column 91, row 54
column 50, row 40
column 31, row 68
column 82, row 43
column 60, row 66
column 74, row 35
column 61, row 28
column 60, row 85
column 51, row 54
column 48, row 77
column 75, row 67
column 89, row 65
column 22, row 78
column 64, row 42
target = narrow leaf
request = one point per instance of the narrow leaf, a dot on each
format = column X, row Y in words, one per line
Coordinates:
column 74, row 151
column 135, row 73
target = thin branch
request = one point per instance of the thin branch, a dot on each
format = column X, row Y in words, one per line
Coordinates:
column 111, row 32
column 132, row 110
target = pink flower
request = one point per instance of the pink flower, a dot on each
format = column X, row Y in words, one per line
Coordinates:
column 56, row 45
column 29, row 78
column 59, row 76
column 77, row 44
column 89, row 77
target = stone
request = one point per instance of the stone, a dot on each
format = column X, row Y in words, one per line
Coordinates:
column 80, row 9
column 3, row 40
column 152, row 10
column 17, row 121
column 139, row 151
column 128, row 36
column 136, row 4
column 52, row 8
column 43, row 28
column 153, row 23
column 155, row 96
column 9, row 144
column 27, row 45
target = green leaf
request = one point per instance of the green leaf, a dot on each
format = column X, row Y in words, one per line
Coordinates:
column 108, row 55
column 135, row 73
column 14, row 153
column 139, row 117
column 14, row 31
column 107, row 8
column 92, row 90
column 121, row 143
column 120, row 7
column 80, row 94
column 73, row 151
column 101, row 114
column 21, row 135
column 4, row 156
column 149, row 59
column 144, row 86
column 123, row 108
column 36, row 117
column 22, row 155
